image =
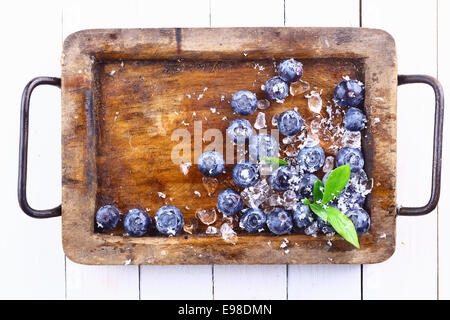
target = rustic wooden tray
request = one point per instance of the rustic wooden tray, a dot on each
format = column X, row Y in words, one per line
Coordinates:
column 124, row 91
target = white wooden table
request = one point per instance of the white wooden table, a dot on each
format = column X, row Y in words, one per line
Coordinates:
column 33, row 265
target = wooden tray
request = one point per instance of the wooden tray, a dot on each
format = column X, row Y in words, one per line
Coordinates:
column 124, row 92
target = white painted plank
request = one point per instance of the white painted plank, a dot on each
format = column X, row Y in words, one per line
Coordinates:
column 176, row 282
column 412, row 271
column 250, row 13
column 252, row 282
column 322, row 13
column 323, row 281
column 444, row 205
column 32, row 257
column 248, row 281
column 328, row 282
column 101, row 282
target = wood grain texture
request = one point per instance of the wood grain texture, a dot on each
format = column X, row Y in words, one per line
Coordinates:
column 82, row 138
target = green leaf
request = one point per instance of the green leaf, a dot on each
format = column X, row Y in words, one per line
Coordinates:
column 319, row 210
column 275, row 161
column 336, row 182
column 306, row 201
column 343, row 225
column 317, row 192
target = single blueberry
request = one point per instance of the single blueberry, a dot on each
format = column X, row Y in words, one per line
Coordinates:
column 306, row 186
column 136, row 222
column 107, row 217
column 253, row 220
column 351, row 156
column 290, row 70
column 262, row 145
column 229, row 202
column 244, row 102
column 282, row 178
column 245, row 174
column 360, row 219
column 211, row 163
column 277, row 89
column 279, row 221
column 354, row 119
column 311, row 159
column 169, row 220
column 325, row 227
column 290, row 123
column 239, row 131
column 349, row 93
column 303, row 216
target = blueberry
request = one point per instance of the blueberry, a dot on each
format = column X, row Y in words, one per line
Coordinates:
column 245, row 174
column 277, row 89
column 169, row 220
column 107, row 217
column 290, row 123
column 136, row 222
column 354, row 120
column 325, row 227
column 239, row 130
column 262, row 145
column 306, row 186
column 349, row 93
column 279, row 221
column 311, row 159
column 211, row 163
column 281, row 179
column 303, row 216
column 229, row 202
column 244, row 102
column 290, row 70
column 253, row 220
column 351, row 156
column 360, row 219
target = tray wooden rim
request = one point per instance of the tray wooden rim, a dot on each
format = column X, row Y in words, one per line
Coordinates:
column 83, row 49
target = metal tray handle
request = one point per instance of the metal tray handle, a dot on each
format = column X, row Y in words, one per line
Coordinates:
column 23, row 149
column 437, row 144
column 402, row 211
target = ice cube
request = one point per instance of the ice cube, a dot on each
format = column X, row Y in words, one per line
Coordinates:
column 206, row 216
column 263, row 104
column 254, row 196
column 275, row 120
column 299, row 87
column 211, row 230
column 351, row 139
column 314, row 101
column 328, row 164
column 190, row 225
column 260, row 121
column 289, row 199
column 210, row 184
column 228, row 234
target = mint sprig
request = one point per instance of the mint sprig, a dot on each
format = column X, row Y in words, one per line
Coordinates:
column 336, row 182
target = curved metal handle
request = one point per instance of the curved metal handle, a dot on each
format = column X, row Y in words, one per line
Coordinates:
column 23, row 149
column 437, row 144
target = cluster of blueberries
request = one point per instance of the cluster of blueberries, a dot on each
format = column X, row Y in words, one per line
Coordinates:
column 168, row 220
column 348, row 93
